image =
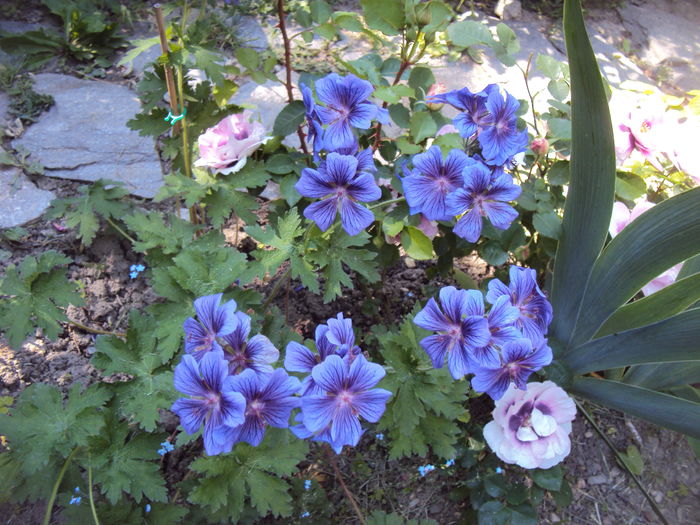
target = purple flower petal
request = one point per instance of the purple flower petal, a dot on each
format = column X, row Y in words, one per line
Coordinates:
column 372, row 403
column 500, row 214
column 364, row 188
column 318, row 411
column 436, row 346
column 313, row 184
column 431, row 318
column 469, row 226
column 354, row 217
column 191, row 412
column 298, row 358
column 187, row 379
column 363, row 375
column 322, row 212
column 346, row 427
column 330, row 374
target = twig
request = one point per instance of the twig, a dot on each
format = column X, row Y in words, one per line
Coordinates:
column 288, row 68
column 95, row 330
column 340, row 479
column 276, row 289
column 619, row 457
column 386, row 203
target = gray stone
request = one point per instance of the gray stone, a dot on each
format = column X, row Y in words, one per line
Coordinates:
column 250, row 34
column 4, row 108
column 84, row 135
column 144, row 61
column 508, row 9
column 20, row 200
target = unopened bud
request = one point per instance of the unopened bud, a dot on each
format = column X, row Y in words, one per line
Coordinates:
column 539, row 146
column 435, row 89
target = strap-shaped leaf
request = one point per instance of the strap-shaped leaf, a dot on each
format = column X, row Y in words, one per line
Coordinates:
column 591, row 192
column 662, row 409
column 655, row 307
column 670, row 340
column 662, row 376
column 667, row 234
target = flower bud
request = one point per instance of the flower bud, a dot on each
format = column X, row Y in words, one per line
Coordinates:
column 435, row 89
column 539, row 146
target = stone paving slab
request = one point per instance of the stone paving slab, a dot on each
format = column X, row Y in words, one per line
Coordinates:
column 20, row 200
column 84, row 135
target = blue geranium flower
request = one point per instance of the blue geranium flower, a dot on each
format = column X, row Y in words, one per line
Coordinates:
column 500, row 138
column 215, row 401
column 333, row 416
column 269, row 401
column 518, row 360
column 474, row 113
column 501, row 319
column 315, row 129
column 340, row 187
column 215, row 320
column 345, row 106
column 257, row 353
column 427, row 187
column 481, row 197
column 461, row 328
column 523, row 292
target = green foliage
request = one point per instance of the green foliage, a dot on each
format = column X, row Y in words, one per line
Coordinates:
column 150, row 387
column 154, row 233
column 25, row 103
column 422, row 413
column 379, row 517
column 33, row 295
column 44, row 427
column 103, row 198
column 87, row 35
column 249, row 476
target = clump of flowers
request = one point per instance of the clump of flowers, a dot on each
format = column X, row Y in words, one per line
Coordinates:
column 621, row 217
column 531, row 427
column 502, row 347
column 135, row 270
column 225, row 148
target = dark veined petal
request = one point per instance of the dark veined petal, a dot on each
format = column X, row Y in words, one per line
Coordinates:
column 454, row 303
column 354, row 217
column 299, row 358
column 252, row 431
column 363, row 375
column 232, row 407
column 458, row 362
column 364, row 188
column 346, row 427
column 338, row 134
column 318, row 411
column 362, row 115
column 475, row 331
column 469, row 226
column 503, row 189
column 496, row 288
column 477, row 178
column 322, row 212
column 214, row 369
column 313, row 184
column 458, row 202
column 465, row 125
column 323, row 345
column 197, row 340
column 191, row 412
column 500, row 214
column 340, row 169
column 371, row 403
column 517, row 350
column 187, row 379
column 523, row 283
column 486, row 356
column 261, row 350
column 213, row 445
column 430, row 162
column 426, row 195
column 238, row 337
column 331, row 374
column 218, row 320
column 340, row 331
column 493, row 381
column 247, row 383
column 437, row 346
column 279, row 385
column 455, row 163
column 431, row 318
column 502, row 313
column 365, row 161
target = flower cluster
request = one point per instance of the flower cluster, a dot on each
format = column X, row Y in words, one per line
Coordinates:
column 165, row 447
column 531, row 427
column 235, row 393
column 502, row 346
column 425, row 469
column 339, row 387
column 346, row 175
column 135, row 270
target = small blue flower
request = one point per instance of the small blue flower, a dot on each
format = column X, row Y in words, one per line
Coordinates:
column 305, row 514
column 409, row 294
column 133, row 275
column 140, row 267
column 307, row 484
column 75, row 500
column 135, row 270
column 76, row 489
column 449, row 463
column 165, row 447
column 499, row 470
column 148, row 508
column 380, row 436
column 423, row 470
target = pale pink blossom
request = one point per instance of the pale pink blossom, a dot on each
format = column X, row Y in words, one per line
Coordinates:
column 539, row 146
column 621, row 217
column 226, row 147
column 642, row 130
column 684, row 141
column 447, row 128
column 531, row 428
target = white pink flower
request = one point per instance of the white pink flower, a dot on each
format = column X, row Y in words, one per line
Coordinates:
column 531, row 428
column 621, row 217
column 226, row 147
column 643, row 130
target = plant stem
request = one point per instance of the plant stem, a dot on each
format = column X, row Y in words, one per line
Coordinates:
column 169, row 81
column 619, row 457
column 126, row 235
column 52, row 498
column 386, row 203
column 92, row 501
column 276, row 289
column 288, row 68
column 95, row 330
column 526, row 74
column 340, row 479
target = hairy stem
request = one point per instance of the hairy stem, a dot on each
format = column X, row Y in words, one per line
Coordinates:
column 526, row 76
column 288, row 68
column 54, row 491
column 95, row 330
column 276, row 289
column 348, row 494
column 120, row 230
column 386, row 203
column 92, row 500
column 621, row 460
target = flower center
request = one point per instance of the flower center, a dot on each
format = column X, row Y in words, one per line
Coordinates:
column 345, row 397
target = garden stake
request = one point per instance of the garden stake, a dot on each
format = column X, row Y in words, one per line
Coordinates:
column 600, row 432
column 169, row 80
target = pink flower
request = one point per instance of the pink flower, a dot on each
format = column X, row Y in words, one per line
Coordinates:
column 531, row 427
column 226, row 147
column 621, row 217
column 539, row 146
column 643, row 130
column 447, row 128
column 683, row 138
